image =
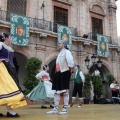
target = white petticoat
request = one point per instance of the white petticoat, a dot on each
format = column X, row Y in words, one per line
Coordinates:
column 48, row 88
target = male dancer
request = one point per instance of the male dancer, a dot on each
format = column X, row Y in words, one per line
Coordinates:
column 64, row 63
column 79, row 80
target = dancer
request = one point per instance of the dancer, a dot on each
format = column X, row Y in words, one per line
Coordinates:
column 39, row 92
column 115, row 91
column 10, row 94
column 64, row 64
column 79, row 80
column 9, row 65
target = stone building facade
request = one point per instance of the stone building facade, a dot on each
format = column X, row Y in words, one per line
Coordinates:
column 83, row 16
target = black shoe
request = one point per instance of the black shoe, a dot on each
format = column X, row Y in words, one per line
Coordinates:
column 1, row 115
column 43, row 107
column 51, row 106
column 10, row 115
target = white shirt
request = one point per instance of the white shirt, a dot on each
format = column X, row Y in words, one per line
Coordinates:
column 68, row 56
column 113, row 85
column 41, row 74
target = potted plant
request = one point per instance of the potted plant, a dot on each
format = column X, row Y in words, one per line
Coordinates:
column 98, row 87
column 87, row 89
column 32, row 67
column 109, row 78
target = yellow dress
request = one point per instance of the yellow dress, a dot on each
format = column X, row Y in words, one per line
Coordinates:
column 10, row 95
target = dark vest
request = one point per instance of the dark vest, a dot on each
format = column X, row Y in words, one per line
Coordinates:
column 78, row 78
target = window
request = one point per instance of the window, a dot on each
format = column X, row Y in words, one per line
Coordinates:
column 61, row 16
column 97, row 27
column 17, row 7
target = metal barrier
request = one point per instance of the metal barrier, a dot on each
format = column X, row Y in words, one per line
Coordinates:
column 93, row 36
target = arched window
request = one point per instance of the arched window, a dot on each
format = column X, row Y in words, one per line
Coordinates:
column 97, row 20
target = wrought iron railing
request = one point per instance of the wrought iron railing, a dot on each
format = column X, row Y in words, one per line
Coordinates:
column 4, row 16
column 93, row 36
column 74, row 30
column 40, row 24
column 48, row 25
column 37, row 23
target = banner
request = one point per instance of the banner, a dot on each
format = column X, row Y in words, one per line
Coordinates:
column 102, row 46
column 20, row 30
column 65, row 33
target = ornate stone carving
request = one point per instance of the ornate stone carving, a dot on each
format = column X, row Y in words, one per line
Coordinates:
column 112, row 8
column 69, row 2
column 97, row 9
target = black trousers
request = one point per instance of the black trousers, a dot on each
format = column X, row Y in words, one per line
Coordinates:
column 115, row 94
column 77, row 89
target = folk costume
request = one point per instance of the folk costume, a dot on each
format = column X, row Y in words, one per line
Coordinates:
column 41, row 90
column 79, row 80
column 10, row 94
column 6, row 56
column 115, row 91
column 62, row 78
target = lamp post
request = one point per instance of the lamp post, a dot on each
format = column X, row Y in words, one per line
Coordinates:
column 98, row 63
column 42, row 7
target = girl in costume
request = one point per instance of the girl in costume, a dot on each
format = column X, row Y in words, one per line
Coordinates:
column 40, row 91
column 10, row 94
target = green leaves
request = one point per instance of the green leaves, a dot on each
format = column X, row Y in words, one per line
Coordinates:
column 32, row 67
column 98, row 87
column 87, row 86
column 109, row 78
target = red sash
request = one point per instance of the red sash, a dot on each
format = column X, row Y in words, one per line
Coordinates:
column 114, row 89
column 57, row 68
column 44, row 77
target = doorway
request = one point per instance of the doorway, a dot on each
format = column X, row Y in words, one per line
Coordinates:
column 20, row 61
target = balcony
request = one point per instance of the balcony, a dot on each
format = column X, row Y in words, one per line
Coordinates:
column 93, row 36
column 48, row 26
column 37, row 23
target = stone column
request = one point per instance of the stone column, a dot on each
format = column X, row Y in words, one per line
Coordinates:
column 0, row 4
column 3, row 5
column 82, row 17
column 113, row 23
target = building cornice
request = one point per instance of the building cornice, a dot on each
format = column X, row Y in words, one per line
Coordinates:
column 53, row 34
column 68, row 2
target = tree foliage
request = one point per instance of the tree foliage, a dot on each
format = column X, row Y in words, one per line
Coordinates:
column 32, row 67
column 98, row 87
column 87, row 86
column 109, row 78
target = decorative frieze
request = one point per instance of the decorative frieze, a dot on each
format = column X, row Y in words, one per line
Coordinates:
column 112, row 8
column 69, row 2
column 97, row 9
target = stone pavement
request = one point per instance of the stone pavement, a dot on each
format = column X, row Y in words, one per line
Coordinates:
column 87, row 112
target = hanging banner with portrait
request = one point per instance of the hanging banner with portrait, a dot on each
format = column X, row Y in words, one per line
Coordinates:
column 20, row 26
column 65, row 33
column 102, row 46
